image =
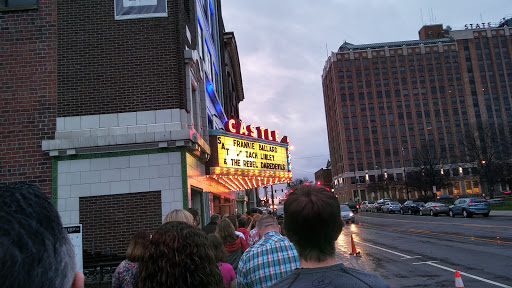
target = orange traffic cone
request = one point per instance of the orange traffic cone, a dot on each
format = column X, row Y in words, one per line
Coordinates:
column 354, row 250
column 458, row 280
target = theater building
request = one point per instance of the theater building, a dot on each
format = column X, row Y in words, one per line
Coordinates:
column 386, row 102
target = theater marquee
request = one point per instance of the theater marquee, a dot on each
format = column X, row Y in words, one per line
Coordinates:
column 245, row 156
column 238, row 153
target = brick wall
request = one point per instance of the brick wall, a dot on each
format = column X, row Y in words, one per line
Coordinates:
column 114, row 66
column 110, row 220
column 27, row 93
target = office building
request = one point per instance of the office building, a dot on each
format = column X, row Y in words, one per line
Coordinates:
column 390, row 104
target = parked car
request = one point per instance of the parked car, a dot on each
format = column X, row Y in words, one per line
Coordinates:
column 467, row 207
column 353, row 206
column 280, row 212
column 366, row 206
column 411, row 207
column 391, row 206
column 346, row 214
column 434, row 209
column 377, row 207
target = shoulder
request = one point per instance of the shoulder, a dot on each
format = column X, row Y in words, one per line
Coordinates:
column 336, row 276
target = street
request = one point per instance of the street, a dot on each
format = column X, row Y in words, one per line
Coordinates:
column 424, row 251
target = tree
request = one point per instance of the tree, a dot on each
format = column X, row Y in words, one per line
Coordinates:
column 428, row 161
column 299, row 181
column 489, row 152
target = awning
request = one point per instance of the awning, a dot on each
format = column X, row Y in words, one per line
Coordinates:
column 236, row 179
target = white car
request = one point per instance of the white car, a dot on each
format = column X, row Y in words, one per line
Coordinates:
column 366, row 206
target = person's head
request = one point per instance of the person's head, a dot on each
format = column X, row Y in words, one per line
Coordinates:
column 217, row 248
column 195, row 215
column 266, row 224
column 226, row 231
column 255, row 220
column 232, row 219
column 138, row 243
column 179, row 215
column 215, row 218
column 178, row 256
column 34, row 247
column 238, row 215
column 242, row 222
column 312, row 222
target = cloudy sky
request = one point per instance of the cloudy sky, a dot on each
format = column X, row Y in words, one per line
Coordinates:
column 283, row 46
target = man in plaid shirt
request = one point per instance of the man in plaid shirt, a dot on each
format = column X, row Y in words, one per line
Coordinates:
column 270, row 259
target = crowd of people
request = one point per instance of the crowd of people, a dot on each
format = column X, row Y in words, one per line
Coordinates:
column 250, row 250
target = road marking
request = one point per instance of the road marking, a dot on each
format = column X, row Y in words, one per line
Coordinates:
column 448, row 235
column 442, row 223
column 465, row 274
column 409, row 257
column 437, row 265
column 387, row 250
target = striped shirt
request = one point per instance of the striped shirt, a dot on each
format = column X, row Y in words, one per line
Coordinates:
column 270, row 259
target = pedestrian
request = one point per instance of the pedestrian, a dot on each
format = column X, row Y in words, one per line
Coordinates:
column 234, row 222
column 35, row 250
column 196, row 216
column 212, row 226
column 179, row 215
column 242, row 227
column 253, row 234
column 234, row 245
column 313, row 224
column 124, row 276
column 270, row 259
column 178, row 256
column 217, row 248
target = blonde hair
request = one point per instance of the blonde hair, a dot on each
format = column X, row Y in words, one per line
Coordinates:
column 179, row 215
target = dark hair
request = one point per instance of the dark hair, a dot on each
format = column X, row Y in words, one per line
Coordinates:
column 195, row 214
column 214, row 217
column 312, row 221
column 217, row 248
column 138, row 243
column 242, row 222
column 178, row 256
column 226, row 231
column 232, row 219
column 34, row 247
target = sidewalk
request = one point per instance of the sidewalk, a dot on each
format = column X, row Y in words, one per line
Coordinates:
column 501, row 213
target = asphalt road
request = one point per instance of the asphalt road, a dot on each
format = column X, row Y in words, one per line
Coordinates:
column 424, row 251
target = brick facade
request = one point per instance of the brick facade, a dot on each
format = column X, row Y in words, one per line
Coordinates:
column 28, row 62
column 114, row 66
column 109, row 221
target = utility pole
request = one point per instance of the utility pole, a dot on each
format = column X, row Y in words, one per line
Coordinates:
column 272, row 193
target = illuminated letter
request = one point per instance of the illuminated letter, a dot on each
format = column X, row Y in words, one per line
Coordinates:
column 243, row 129
column 261, row 132
column 269, row 134
column 275, row 135
column 285, row 140
column 230, row 125
column 477, row 26
column 466, row 26
column 253, row 131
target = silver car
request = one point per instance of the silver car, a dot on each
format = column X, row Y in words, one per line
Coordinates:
column 434, row 209
column 391, row 206
column 346, row 214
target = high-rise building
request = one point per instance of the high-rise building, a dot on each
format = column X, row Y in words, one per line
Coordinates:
column 398, row 109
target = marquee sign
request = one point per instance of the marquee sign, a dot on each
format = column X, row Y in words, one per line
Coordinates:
column 246, row 154
column 259, row 132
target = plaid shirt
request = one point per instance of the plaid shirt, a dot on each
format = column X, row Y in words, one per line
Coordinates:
column 270, row 259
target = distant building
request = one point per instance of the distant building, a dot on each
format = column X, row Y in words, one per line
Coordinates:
column 324, row 176
column 388, row 102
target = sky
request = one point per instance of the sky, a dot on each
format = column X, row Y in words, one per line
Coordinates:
column 283, row 46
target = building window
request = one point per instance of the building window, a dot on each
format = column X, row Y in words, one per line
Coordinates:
column 18, row 4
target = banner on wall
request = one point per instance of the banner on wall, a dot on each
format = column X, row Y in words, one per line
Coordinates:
column 75, row 236
column 131, row 9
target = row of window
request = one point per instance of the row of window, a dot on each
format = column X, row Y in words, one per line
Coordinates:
column 418, row 58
